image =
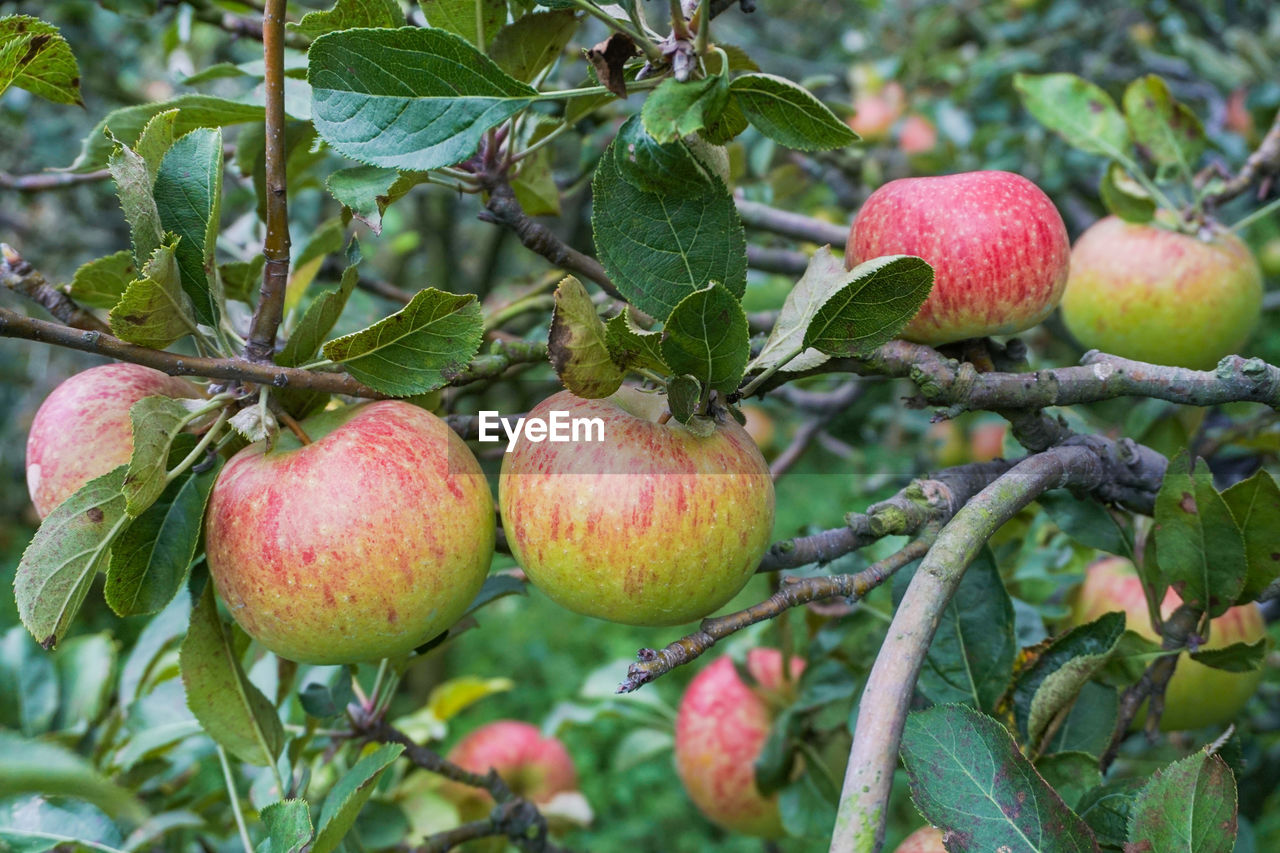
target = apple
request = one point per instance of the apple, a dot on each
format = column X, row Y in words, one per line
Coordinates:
column 82, row 430
column 1269, row 257
column 1197, row 695
column 362, row 545
column 945, row 440
column 998, row 248
column 986, row 442
column 534, row 767
column 654, row 525
column 1150, row 294
column 721, row 727
column 874, row 113
column 759, row 425
column 926, row 839
column 917, row 135
column 1238, row 118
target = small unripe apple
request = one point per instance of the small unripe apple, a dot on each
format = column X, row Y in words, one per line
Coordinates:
column 996, row 243
column 1197, row 695
column 926, row 839
column 875, row 113
column 917, row 135
column 721, row 727
column 653, row 525
column 362, row 545
column 1150, row 294
column 82, row 430
column 1269, row 257
column 534, row 767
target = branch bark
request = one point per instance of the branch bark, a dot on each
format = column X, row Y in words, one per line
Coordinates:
column 261, row 344
column 20, row 277
column 50, row 180
column 1263, row 162
column 762, row 217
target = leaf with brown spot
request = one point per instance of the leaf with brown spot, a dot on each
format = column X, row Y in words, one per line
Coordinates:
column 577, row 346
column 1168, row 132
column 608, row 57
column 1255, row 505
column 34, row 56
column 1187, row 807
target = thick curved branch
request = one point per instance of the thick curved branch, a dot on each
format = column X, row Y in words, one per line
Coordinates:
column 261, row 344
column 20, row 277
column 1090, row 464
column 780, row 261
column 762, row 217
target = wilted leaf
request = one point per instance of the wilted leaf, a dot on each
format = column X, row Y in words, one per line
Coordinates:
column 1167, row 130
column 34, row 56
column 577, row 344
column 633, row 347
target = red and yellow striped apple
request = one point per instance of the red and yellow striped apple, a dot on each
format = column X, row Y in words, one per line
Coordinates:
column 534, row 767
column 1150, row 294
column 721, row 727
column 362, row 545
column 997, row 245
column 82, row 430
column 917, row 135
column 654, row 525
column 1197, row 695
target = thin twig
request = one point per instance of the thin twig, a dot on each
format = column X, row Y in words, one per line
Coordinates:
column 1263, row 162
column 50, row 180
column 20, row 277
column 762, row 217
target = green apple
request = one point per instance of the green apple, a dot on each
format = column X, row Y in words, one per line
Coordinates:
column 362, row 545
column 653, row 525
column 1151, row 294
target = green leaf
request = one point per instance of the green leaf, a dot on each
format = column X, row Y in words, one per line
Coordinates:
column 327, row 239
column 674, row 109
column 1168, row 132
column 241, row 279
column 101, row 283
column 1255, row 505
column 29, row 687
column 160, row 633
column 188, row 193
column 971, row 657
column 133, row 186
column 1052, row 682
column 58, row 566
column 1125, row 197
column 669, row 228
column 127, row 124
column 1090, row 722
column 789, row 114
column 348, row 14
column 149, row 562
column 1107, row 809
column 156, row 139
column 880, row 298
column 417, row 349
column 1188, row 806
column 367, row 191
column 494, row 588
column 1237, row 657
column 1089, row 523
column 412, row 98
column 707, row 337
column 39, row 767
column 1071, row 774
column 34, row 56
column 969, row 778
column 288, row 822
column 32, row 824
column 684, row 397
column 154, row 310
column 157, row 422
column 1083, row 114
column 318, row 321
column 577, row 345
column 531, row 43
column 349, row 794
column 459, row 17
column 1200, row 548
column 807, row 806
column 631, row 347
column 86, row 667
column 731, row 122
column 535, row 185
column 230, row 709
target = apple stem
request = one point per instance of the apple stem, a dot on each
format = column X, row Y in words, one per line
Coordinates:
column 666, row 416
column 294, row 427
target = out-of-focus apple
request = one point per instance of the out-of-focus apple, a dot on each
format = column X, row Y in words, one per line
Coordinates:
column 876, row 112
column 653, row 525
column 1150, row 294
column 362, row 545
column 534, row 767
column 1197, row 695
column 760, row 426
column 1269, row 257
column 1238, row 118
column 986, row 442
column 82, row 430
column 926, row 839
column 998, row 248
column 917, row 135
column 721, row 727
